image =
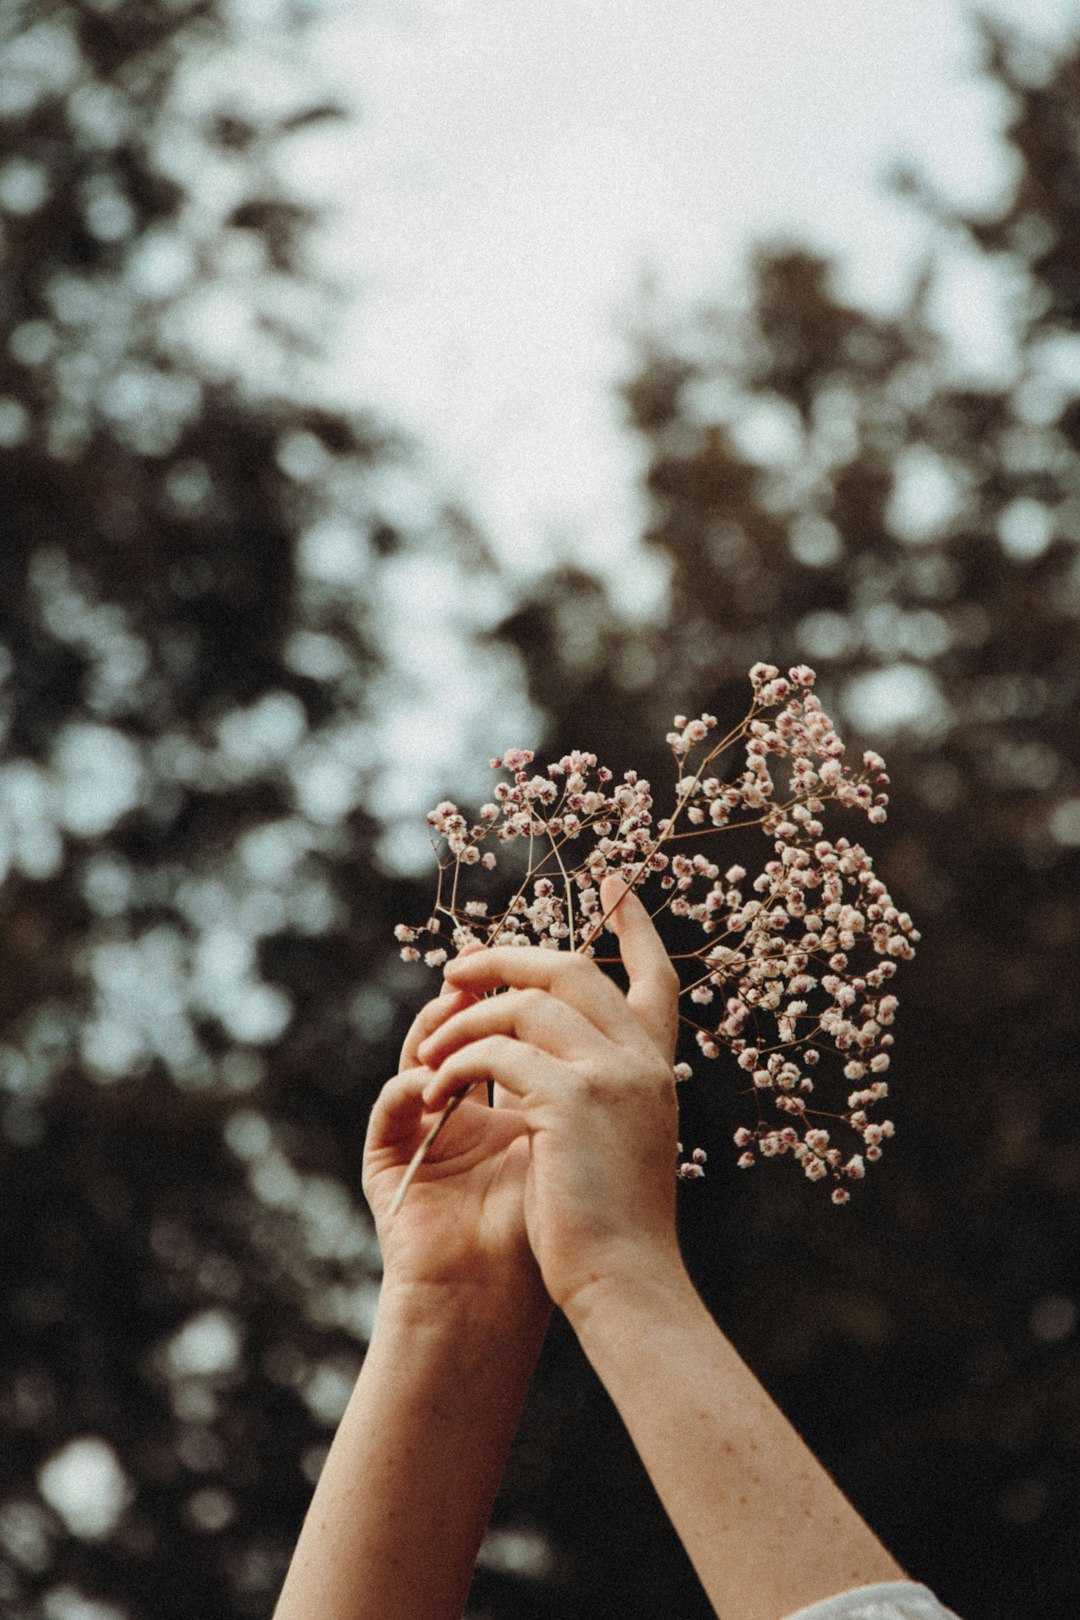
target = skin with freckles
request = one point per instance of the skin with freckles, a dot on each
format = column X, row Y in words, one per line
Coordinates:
column 401, row 1506
column 563, row 1191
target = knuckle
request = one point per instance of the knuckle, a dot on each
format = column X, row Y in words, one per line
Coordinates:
column 667, row 978
column 595, row 1089
column 571, row 965
column 665, row 1084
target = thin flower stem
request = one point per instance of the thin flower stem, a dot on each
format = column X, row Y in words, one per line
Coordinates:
column 811, row 874
column 569, row 894
column 422, row 1151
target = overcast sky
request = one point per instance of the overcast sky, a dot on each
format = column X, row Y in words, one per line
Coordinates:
column 520, row 162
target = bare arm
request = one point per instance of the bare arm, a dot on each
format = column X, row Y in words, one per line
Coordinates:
column 766, row 1528
column 401, row 1506
column 397, row 1517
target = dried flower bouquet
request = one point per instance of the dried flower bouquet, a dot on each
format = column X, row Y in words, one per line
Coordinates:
column 796, row 964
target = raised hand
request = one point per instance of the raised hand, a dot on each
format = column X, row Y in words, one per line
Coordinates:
column 591, row 1071
column 576, row 1166
column 401, row 1504
column 462, row 1223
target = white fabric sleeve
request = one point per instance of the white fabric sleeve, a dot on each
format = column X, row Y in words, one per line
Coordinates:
column 899, row 1600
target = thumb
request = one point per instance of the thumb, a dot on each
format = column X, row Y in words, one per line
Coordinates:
column 653, row 996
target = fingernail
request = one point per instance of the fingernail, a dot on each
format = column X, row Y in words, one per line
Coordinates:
column 472, row 948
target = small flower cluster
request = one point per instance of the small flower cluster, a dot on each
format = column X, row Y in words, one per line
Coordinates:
column 796, row 964
column 693, row 1168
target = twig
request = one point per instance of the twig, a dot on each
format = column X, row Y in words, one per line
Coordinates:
column 421, row 1153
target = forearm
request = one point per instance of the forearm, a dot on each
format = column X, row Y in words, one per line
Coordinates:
column 765, row 1527
column 401, row 1506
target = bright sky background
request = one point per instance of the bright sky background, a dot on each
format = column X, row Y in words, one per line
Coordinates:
column 521, row 162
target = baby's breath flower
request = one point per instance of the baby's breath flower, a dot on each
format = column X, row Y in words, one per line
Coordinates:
column 798, row 972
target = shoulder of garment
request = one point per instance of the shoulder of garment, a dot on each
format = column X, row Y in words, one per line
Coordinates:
column 898, row 1600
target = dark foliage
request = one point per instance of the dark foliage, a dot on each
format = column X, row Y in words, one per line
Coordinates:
column 188, row 635
column 197, row 997
column 825, row 486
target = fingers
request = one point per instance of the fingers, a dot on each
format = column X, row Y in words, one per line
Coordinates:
column 401, row 1116
column 398, row 1109
column 653, row 995
column 522, row 1070
column 573, row 979
column 533, row 1016
column 652, row 999
column 428, row 1019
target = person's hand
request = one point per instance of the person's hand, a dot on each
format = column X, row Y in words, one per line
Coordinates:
column 461, row 1224
column 592, row 1073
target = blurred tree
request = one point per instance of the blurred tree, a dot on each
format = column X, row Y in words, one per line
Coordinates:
column 193, row 927
column 195, row 553
column 825, row 485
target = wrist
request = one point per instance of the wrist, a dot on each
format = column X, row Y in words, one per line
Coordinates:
column 499, row 1310
column 648, row 1285
column 450, row 1356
